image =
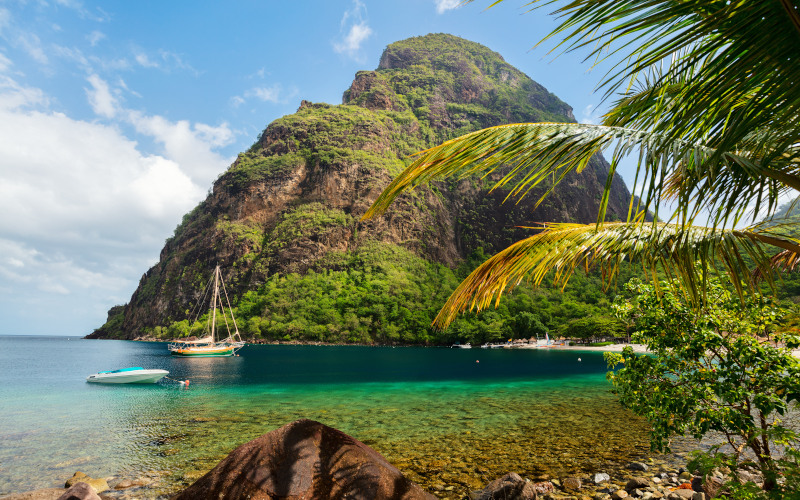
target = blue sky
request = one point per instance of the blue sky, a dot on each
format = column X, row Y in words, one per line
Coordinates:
column 117, row 116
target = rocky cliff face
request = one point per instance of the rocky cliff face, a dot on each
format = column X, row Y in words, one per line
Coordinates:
column 291, row 204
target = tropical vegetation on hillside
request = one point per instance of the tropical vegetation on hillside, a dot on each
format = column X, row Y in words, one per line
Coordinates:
column 383, row 294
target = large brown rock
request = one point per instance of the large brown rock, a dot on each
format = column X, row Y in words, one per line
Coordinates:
column 304, row 459
column 80, row 491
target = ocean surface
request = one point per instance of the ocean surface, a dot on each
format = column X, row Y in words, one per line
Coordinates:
column 449, row 418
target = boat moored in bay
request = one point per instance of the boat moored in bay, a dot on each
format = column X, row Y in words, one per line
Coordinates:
column 209, row 345
column 133, row 375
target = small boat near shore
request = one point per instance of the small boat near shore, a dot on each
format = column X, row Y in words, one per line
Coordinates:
column 133, row 375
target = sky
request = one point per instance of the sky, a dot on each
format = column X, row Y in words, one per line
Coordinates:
column 116, row 117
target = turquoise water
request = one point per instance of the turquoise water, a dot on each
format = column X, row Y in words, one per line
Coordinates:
column 447, row 417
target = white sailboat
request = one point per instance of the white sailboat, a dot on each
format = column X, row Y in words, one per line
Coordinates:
column 209, row 345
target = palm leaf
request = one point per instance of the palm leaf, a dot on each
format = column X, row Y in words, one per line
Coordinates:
column 659, row 247
column 540, row 154
column 733, row 51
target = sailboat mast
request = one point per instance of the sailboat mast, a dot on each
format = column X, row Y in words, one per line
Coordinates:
column 214, row 306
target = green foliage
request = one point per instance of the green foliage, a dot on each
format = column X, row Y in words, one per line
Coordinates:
column 593, row 327
column 723, row 369
column 242, row 232
column 305, row 220
column 461, row 86
column 382, row 293
column 255, row 166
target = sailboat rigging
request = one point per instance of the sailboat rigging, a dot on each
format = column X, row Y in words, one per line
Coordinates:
column 209, row 345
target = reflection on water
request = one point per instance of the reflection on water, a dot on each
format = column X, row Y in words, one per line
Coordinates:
column 435, row 413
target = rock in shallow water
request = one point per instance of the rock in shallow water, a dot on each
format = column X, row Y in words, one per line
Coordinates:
column 98, row 484
column 304, row 459
column 637, row 483
column 511, row 487
column 601, row 477
column 571, row 483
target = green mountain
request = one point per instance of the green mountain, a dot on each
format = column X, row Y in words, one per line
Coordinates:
column 283, row 220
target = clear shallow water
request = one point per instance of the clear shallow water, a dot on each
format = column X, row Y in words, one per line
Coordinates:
column 442, row 417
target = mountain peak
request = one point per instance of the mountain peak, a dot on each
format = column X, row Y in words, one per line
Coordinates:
column 438, row 49
column 454, row 85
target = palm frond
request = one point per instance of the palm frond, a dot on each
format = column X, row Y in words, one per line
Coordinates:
column 734, row 51
column 659, row 247
column 785, row 260
column 542, row 154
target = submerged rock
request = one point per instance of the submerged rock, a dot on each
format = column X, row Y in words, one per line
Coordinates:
column 637, row 483
column 601, row 477
column 510, row 487
column 304, row 459
column 571, row 483
column 98, row 484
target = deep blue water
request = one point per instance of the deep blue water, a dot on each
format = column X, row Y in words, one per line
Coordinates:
column 406, row 402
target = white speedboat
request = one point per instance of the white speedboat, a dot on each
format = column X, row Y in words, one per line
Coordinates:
column 134, row 375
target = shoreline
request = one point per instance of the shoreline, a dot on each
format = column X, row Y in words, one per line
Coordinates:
column 639, row 348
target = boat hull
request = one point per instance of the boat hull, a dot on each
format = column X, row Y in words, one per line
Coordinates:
column 199, row 352
column 217, row 349
column 128, row 377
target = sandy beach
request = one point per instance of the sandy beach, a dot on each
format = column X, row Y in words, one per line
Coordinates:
column 606, row 348
column 641, row 348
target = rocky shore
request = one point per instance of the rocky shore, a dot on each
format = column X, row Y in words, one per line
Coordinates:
column 306, row 459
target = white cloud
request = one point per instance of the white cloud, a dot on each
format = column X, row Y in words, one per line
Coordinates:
column 274, row 94
column 353, row 30
column 71, row 53
column 118, row 64
column 100, row 98
column 266, row 94
column 14, row 96
column 85, row 210
column 445, row 5
column 591, row 115
column 5, row 62
column 33, row 46
column 5, row 19
column 99, row 15
column 94, row 37
column 163, row 60
column 188, row 145
column 351, row 43
column 143, row 60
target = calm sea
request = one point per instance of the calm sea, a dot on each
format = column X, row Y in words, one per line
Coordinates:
column 452, row 418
